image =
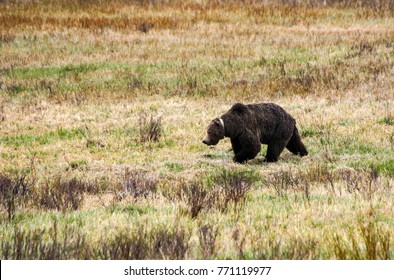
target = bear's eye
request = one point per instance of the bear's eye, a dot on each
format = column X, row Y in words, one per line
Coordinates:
column 213, row 130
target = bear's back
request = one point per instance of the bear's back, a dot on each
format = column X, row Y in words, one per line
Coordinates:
column 269, row 111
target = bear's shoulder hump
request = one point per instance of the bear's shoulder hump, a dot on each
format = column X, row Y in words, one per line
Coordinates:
column 239, row 108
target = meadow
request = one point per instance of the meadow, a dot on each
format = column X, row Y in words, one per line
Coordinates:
column 103, row 106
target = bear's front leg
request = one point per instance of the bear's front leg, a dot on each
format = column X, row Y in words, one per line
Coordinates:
column 250, row 148
column 236, row 145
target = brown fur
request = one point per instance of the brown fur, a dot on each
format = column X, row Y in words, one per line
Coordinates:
column 249, row 126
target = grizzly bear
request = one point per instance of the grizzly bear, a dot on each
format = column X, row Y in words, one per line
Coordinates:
column 249, row 126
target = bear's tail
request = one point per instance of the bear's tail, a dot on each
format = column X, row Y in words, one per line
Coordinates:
column 295, row 144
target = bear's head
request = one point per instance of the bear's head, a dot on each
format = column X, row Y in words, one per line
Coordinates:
column 215, row 132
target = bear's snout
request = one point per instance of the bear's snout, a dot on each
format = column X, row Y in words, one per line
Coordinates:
column 208, row 141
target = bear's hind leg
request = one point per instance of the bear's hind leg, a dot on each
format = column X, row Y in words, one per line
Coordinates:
column 295, row 144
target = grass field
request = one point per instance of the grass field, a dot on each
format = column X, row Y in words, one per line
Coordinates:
column 103, row 107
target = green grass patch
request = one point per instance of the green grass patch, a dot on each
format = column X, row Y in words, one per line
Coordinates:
column 78, row 164
column 132, row 210
column 310, row 132
column 352, row 145
column 15, row 90
column 386, row 121
column 383, row 167
column 174, row 166
column 60, row 134
column 52, row 72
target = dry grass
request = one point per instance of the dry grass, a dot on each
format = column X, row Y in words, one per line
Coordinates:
column 103, row 107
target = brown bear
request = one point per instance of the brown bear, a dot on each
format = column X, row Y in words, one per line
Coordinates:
column 249, row 126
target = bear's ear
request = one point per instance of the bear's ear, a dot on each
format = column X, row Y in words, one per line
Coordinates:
column 239, row 108
column 216, row 121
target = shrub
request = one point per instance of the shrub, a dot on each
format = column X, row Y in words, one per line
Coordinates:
column 239, row 239
column 273, row 247
column 285, row 181
column 374, row 245
column 13, row 192
column 235, row 191
column 195, row 196
column 363, row 183
column 62, row 194
column 125, row 246
column 138, row 183
column 45, row 243
column 231, row 186
column 162, row 242
column 150, row 128
column 207, row 235
column 224, row 189
column 170, row 243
